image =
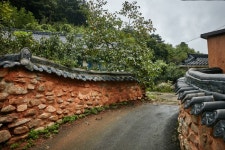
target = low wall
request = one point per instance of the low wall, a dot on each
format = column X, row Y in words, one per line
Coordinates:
column 195, row 136
column 202, row 110
column 37, row 99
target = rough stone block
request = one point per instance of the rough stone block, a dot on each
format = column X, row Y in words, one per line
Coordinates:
column 62, row 106
column 17, row 101
column 3, row 96
column 49, row 93
column 70, row 100
column 35, row 123
column 193, row 138
column 20, row 80
column 59, row 101
column 4, row 135
column 3, row 85
column 50, row 109
column 8, row 108
column 34, row 102
column 89, row 103
column 185, row 129
column 34, row 81
column 50, row 124
column 41, row 88
column 60, row 93
column 17, row 138
column 49, row 85
column 66, row 111
column 39, row 96
column 30, row 87
column 50, row 98
column 73, row 94
column 53, row 118
column 6, row 119
column 39, row 129
column 30, row 112
column 78, row 107
column 78, row 112
column 188, row 120
column 194, row 128
column 21, row 108
column 218, row 144
column 21, row 130
column 42, row 106
column 59, row 112
column 17, row 90
column 44, row 115
column 19, row 122
column 195, row 119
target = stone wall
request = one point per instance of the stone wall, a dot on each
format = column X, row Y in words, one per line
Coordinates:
column 35, row 100
column 195, row 136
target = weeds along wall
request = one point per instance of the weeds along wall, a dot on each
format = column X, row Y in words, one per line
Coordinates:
column 35, row 100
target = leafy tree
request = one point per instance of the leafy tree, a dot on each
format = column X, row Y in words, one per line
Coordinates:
column 12, row 17
column 121, row 45
column 180, row 53
column 6, row 12
column 48, row 11
column 158, row 46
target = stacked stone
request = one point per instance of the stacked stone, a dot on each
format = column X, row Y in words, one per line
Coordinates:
column 34, row 100
column 195, row 136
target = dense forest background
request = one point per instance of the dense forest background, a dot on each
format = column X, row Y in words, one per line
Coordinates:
column 119, row 46
column 50, row 11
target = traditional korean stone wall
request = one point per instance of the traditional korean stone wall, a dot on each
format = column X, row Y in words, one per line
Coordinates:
column 34, row 100
column 194, row 136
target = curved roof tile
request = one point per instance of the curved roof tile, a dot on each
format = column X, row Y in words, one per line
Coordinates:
column 34, row 63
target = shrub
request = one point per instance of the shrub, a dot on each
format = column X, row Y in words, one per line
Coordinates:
column 164, row 87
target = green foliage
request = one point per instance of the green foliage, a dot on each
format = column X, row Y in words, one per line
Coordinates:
column 69, row 118
column 23, row 39
column 180, row 53
column 29, row 144
column 33, row 134
column 48, row 11
column 94, row 110
column 170, row 72
column 6, row 12
column 121, row 45
column 164, row 87
column 12, row 17
column 159, row 48
column 14, row 146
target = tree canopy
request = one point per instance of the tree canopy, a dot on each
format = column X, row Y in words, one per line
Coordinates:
column 49, row 11
column 107, row 40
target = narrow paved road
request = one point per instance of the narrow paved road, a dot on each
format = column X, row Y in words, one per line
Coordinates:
column 141, row 127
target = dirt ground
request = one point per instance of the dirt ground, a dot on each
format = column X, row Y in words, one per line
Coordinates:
column 163, row 98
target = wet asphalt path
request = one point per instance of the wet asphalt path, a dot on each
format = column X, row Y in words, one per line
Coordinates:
column 142, row 127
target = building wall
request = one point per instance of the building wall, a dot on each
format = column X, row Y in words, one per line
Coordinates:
column 34, row 100
column 194, row 136
column 216, row 51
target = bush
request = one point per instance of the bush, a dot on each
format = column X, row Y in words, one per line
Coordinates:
column 164, row 87
column 171, row 72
